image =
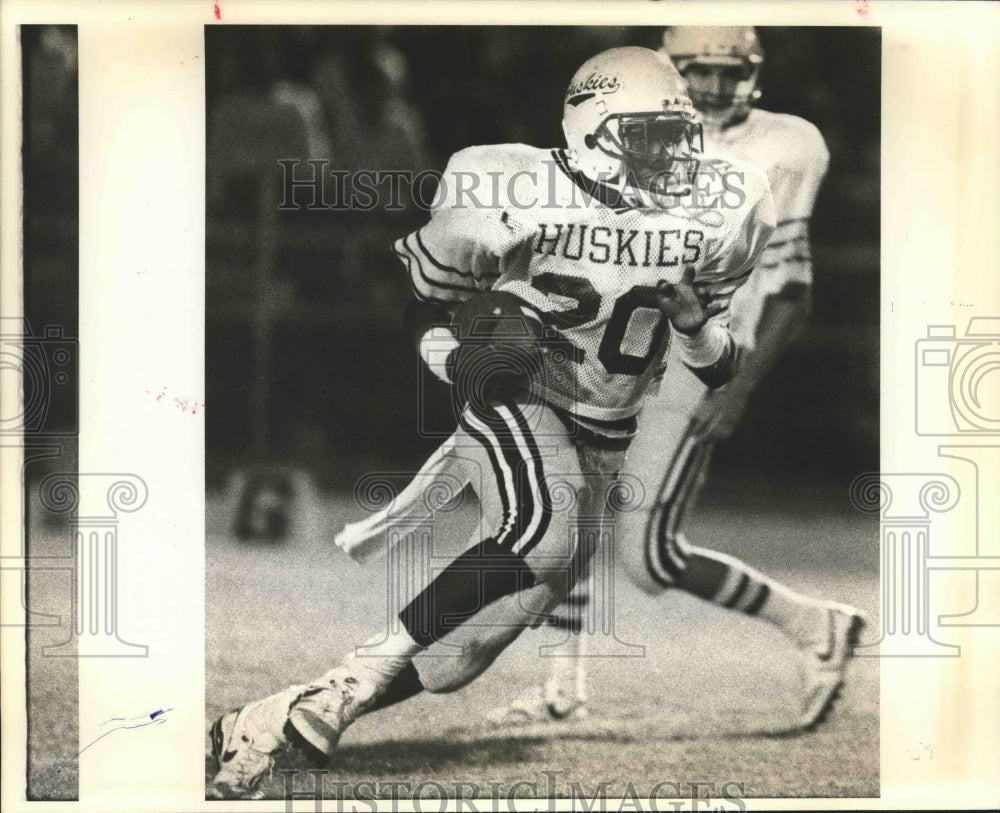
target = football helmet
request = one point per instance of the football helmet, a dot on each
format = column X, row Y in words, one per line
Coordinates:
column 721, row 65
column 627, row 117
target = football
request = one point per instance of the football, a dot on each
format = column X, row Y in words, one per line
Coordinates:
column 499, row 347
column 497, row 317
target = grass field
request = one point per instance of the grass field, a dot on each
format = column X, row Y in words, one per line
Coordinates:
column 712, row 700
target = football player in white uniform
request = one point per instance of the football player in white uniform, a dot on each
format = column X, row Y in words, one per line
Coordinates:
column 587, row 270
column 681, row 426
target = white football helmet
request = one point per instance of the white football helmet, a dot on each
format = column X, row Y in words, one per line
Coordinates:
column 721, row 65
column 627, row 118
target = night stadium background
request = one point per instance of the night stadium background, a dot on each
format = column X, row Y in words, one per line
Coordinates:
column 311, row 384
column 304, row 308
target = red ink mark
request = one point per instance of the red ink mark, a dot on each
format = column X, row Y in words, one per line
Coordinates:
column 218, row 12
column 862, row 8
column 187, row 405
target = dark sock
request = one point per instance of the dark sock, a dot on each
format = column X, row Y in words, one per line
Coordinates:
column 474, row 580
column 312, row 754
column 404, row 686
column 703, row 577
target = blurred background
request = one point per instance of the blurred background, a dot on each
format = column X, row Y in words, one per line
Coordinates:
column 307, row 364
column 50, row 160
column 50, row 165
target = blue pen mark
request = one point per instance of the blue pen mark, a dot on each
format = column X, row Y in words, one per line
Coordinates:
column 153, row 718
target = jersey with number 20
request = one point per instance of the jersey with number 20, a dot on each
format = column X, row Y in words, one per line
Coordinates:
column 588, row 256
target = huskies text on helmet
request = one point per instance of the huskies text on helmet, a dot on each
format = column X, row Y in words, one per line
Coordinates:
column 627, row 118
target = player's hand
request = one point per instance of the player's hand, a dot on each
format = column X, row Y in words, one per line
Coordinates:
column 720, row 411
column 686, row 304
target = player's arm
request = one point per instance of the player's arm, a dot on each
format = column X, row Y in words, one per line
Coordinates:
column 445, row 267
column 781, row 319
column 451, row 260
column 707, row 347
column 440, row 262
column 785, row 266
column 699, row 311
column 784, row 272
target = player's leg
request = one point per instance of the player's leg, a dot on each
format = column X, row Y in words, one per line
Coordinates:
column 265, row 722
column 440, row 480
column 562, row 696
column 824, row 632
column 672, row 561
column 655, row 552
column 512, row 566
column 549, row 477
column 501, row 585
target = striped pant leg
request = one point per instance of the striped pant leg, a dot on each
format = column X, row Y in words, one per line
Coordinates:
column 649, row 543
column 670, row 558
column 589, row 608
column 665, row 547
column 512, row 578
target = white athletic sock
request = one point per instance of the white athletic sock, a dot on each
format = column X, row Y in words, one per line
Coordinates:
column 730, row 583
column 568, row 671
column 384, row 655
column 270, row 714
column 791, row 612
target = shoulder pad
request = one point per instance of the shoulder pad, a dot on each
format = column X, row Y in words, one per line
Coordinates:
column 805, row 143
column 752, row 181
column 481, row 171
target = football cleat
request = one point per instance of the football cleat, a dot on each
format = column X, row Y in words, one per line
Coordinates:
column 548, row 703
column 327, row 707
column 244, row 750
column 826, row 662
